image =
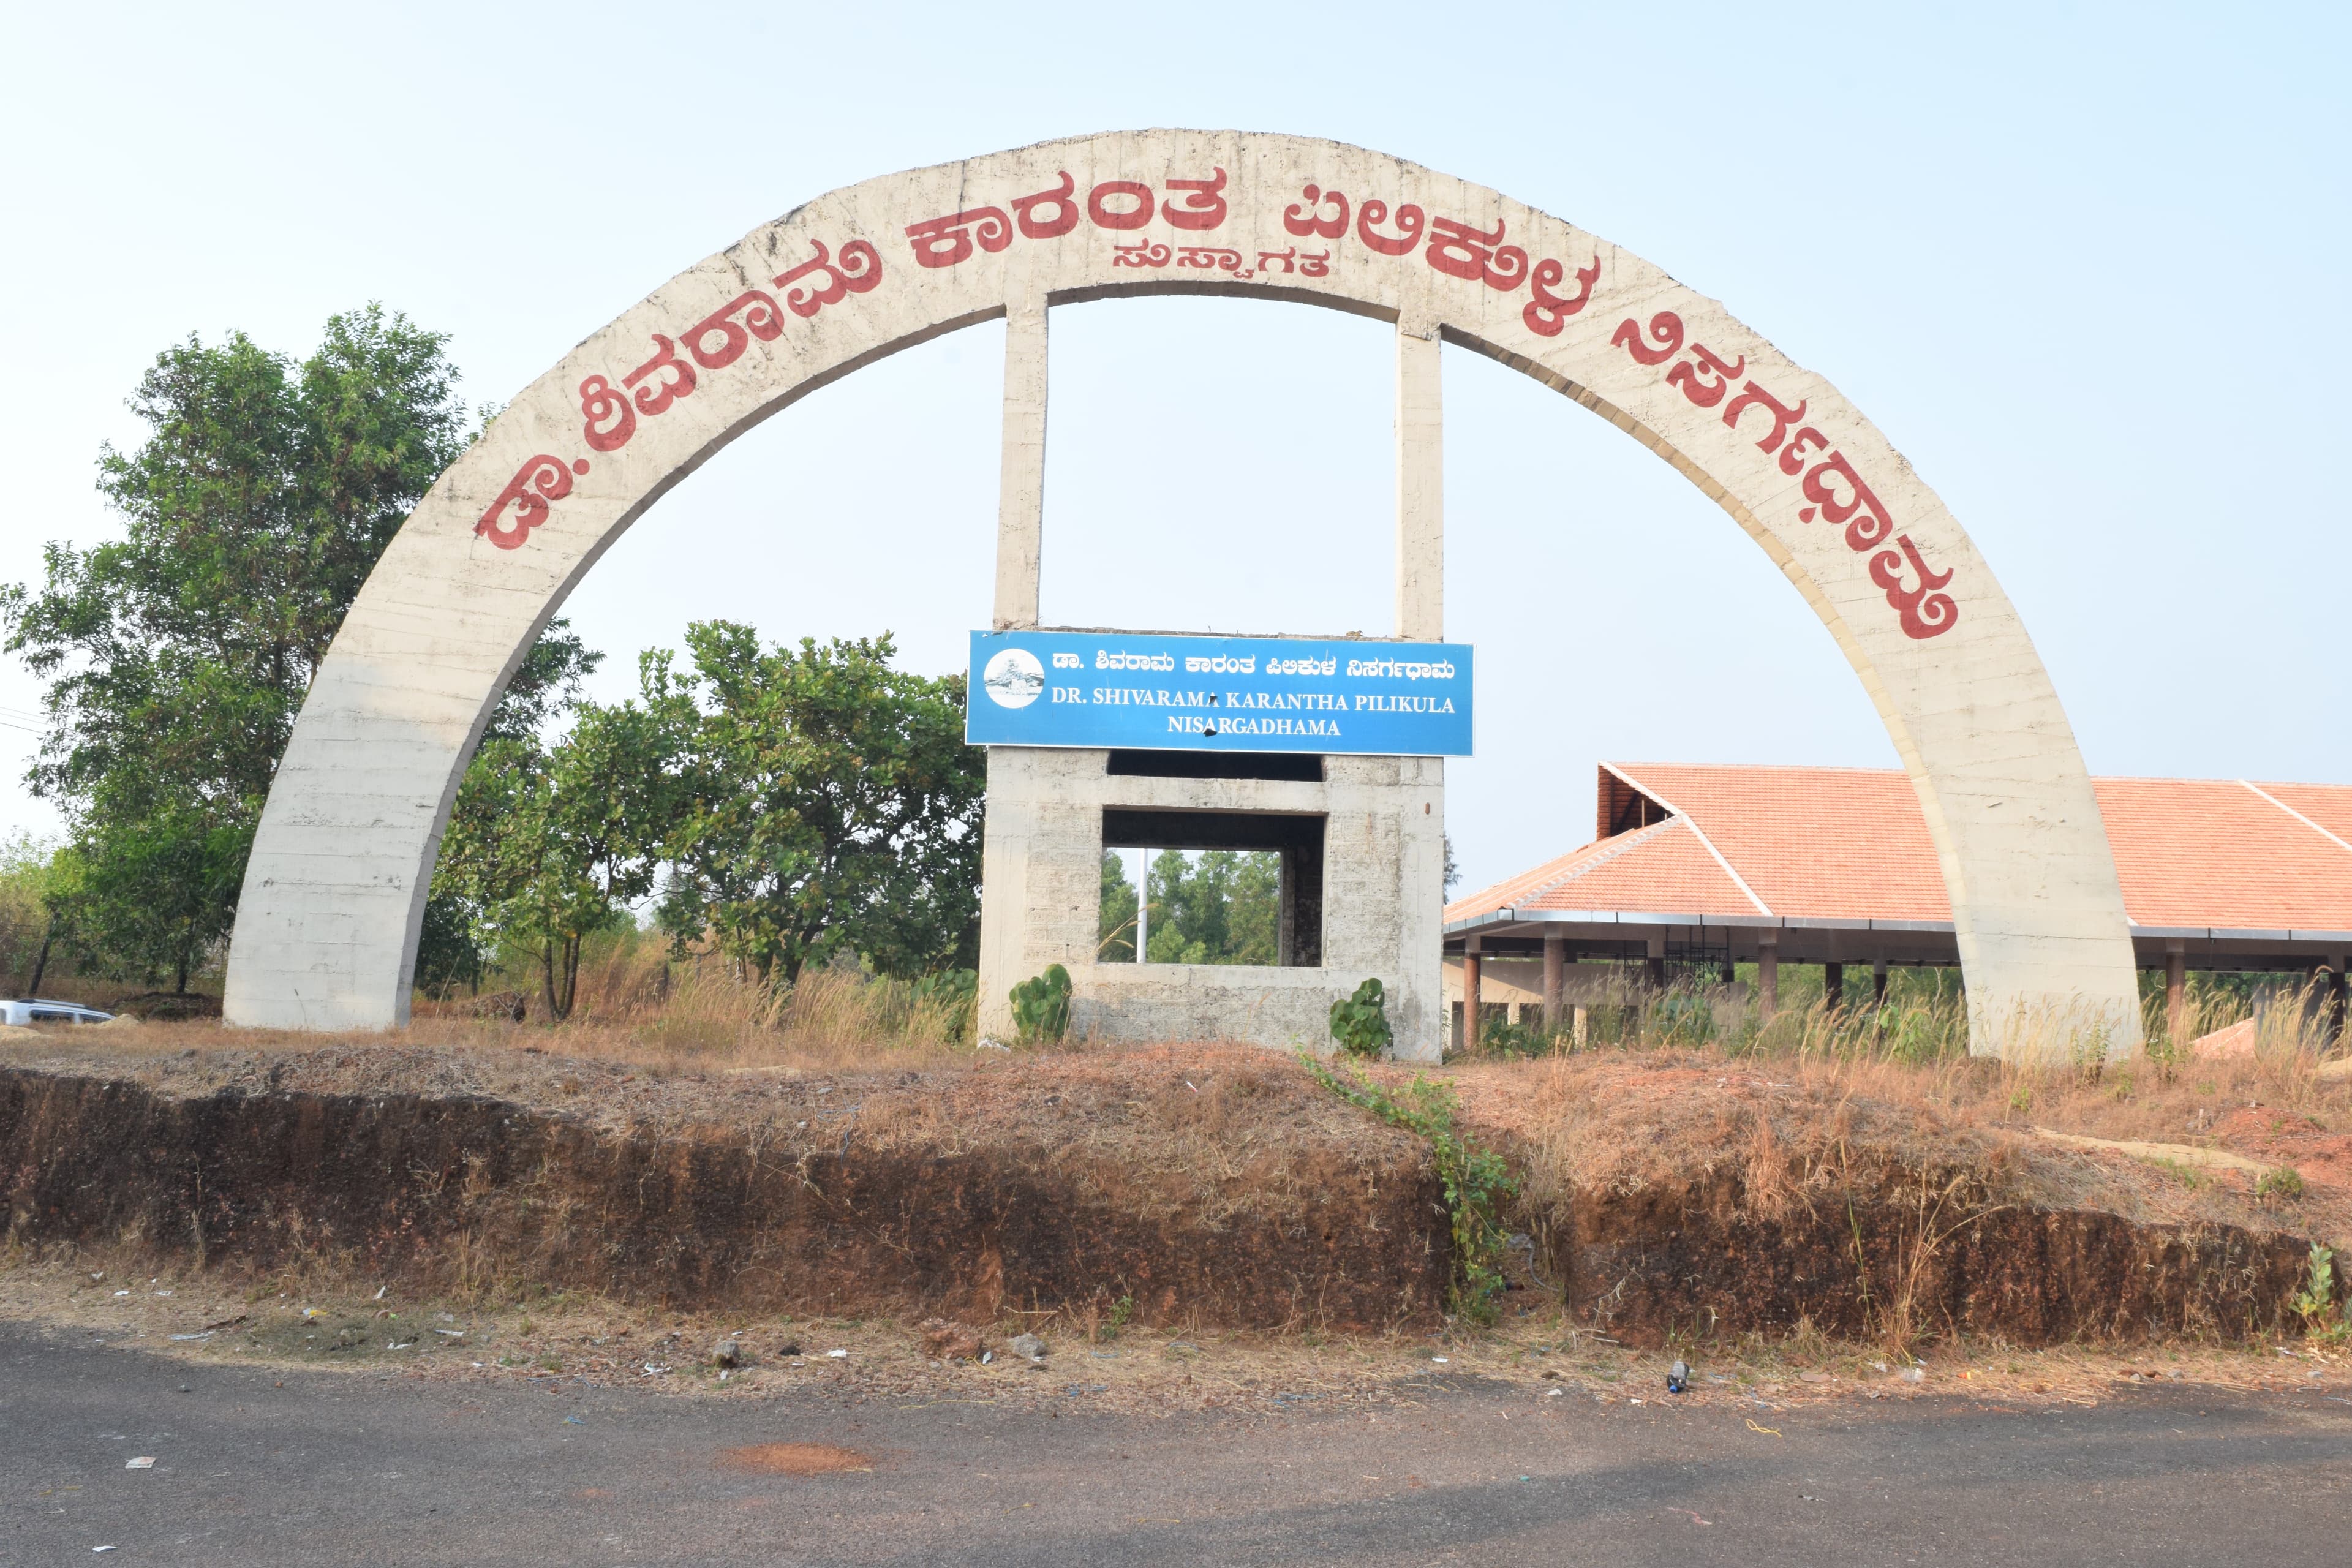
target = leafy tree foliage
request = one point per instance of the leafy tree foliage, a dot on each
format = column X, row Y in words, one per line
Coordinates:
column 546, row 846
column 1225, row 908
column 831, row 805
column 33, row 872
column 1114, row 933
column 178, row 655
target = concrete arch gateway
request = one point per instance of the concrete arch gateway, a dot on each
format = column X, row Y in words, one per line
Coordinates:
column 334, row 895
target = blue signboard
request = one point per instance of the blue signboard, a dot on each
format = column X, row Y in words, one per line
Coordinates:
column 1136, row 689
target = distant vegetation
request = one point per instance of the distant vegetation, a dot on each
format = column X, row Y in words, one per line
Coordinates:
column 1217, row 906
column 772, row 807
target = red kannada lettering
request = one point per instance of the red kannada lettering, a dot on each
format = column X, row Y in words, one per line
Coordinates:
column 1706, row 381
column 670, row 387
column 1204, row 208
column 1142, row 253
column 1066, row 214
column 1459, row 250
column 1098, row 205
column 1754, row 396
column 1408, row 218
column 762, row 319
column 1833, row 490
column 860, row 270
column 1304, row 217
column 1870, row 520
column 1666, row 331
column 1547, row 313
column 537, row 483
column 599, row 403
column 1923, row 611
column 944, row 241
column 1314, row 264
column 1209, row 257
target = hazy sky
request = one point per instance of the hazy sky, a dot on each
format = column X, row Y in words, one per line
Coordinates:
column 2084, row 266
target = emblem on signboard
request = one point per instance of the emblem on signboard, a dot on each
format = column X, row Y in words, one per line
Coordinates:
column 1013, row 678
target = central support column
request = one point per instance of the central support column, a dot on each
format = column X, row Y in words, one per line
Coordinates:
column 1019, row 811
column 1555, row 980
column 1473, row 965
column 1421, row 485
column 1020, row 489
column 2176, row 990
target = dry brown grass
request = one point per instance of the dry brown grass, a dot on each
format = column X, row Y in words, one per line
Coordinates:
column 589, row 1341
column 636, row 1010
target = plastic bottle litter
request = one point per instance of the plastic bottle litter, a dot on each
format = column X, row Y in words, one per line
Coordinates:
column 1678, row 1378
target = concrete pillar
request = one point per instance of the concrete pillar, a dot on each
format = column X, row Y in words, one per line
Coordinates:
column 1421, row 486
column 1021, row 485
column 2176, row 990
column 1582, row 1028
column 1768, row 974
column 2338, row 992
column 1656, row 965
column 1878, row 982
column 1833, row 985
column 1555, row 980
column 1470, row 978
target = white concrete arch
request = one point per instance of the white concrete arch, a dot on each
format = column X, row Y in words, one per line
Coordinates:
column 326, row 933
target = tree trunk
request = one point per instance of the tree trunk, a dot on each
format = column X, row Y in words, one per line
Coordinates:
column 180, row 986
column 41, row 964
column 561, row 954
column 570, row 975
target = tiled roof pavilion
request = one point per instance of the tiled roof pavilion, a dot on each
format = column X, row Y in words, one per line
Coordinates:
column 1836, row 865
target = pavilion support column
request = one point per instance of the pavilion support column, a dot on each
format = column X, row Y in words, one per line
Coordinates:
column 1555, row 980
column 1420, row 484
column 1833, row 985
column 1656, row 964
column 1020, row 484
column 2337, row 996
column 2175, row 991
column 1471, row 964
column 1878, row 982
column 1768, row 975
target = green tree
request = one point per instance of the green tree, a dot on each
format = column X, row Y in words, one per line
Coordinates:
column 1114, row 933
column 32, row 873
column 1254, row 910
column 832, row 805
column 178, row 655
column 548, row 845
column 1225, row 908
column 1188, row 911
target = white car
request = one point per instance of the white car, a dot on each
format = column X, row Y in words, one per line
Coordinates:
column 33, row 1010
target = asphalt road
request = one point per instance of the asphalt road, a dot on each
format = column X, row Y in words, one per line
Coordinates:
column 340, row 1469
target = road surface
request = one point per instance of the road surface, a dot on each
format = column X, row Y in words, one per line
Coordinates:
column 255, row 1466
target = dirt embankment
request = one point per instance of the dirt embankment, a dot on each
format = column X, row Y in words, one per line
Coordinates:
column 1700, row 1196
column 1221, row 1188
column 1202, row 1186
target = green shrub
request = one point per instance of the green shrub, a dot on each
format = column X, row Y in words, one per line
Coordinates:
column 1503, row 1038
column 2287, row 1181
column 1040, row 1007
column 1477, row 1183
column 1360, row 1024
column 2315, row 1304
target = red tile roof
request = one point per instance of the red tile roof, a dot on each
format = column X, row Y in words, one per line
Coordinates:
column 1852, row 843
